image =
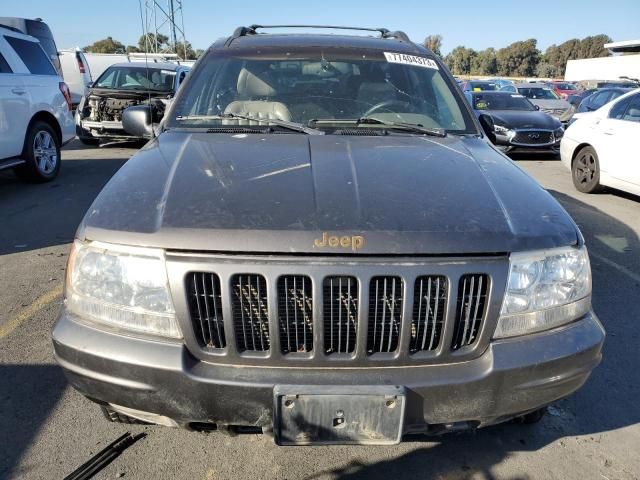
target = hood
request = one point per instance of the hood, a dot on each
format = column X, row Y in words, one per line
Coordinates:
column 291, row 193
column 524, row 119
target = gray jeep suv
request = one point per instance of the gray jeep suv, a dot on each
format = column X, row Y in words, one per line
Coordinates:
column 322, row 244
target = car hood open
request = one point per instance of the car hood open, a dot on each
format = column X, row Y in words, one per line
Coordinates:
column 278, row 193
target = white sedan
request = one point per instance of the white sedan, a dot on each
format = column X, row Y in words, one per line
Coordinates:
column 603, row 148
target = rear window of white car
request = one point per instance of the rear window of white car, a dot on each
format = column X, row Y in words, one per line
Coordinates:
column 32, row 55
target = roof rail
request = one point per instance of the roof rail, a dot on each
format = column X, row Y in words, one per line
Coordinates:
column 252, row 30
column 398, row 34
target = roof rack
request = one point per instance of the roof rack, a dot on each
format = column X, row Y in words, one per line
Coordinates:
column 252, row 30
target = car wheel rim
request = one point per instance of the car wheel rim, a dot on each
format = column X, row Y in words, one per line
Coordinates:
column 586, row 168
column 45, row 152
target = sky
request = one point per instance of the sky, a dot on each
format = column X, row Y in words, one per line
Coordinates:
column 76, row 23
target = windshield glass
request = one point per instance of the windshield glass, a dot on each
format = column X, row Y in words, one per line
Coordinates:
column 565, row 86
column 501, row 101
column 323, row 86
column 136, row 78
column 482, row 86
column 538, row 93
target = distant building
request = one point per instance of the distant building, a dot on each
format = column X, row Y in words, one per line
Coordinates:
column 607, row 68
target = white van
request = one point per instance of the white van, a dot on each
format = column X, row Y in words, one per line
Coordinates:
column 76, row 73
column 35, row 109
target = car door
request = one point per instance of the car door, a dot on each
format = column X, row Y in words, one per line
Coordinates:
column 15, row 105
column 619, row 140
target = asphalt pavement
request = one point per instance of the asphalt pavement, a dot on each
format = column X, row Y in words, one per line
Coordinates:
column 47, row 429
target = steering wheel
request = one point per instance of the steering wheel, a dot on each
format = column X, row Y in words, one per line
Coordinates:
column 388, row 103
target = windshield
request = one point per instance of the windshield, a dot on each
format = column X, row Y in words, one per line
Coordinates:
column 136, row 78
column 320, row 88
column 482, row 86
column 501, row 101
column 538, row 93
column 565, row 86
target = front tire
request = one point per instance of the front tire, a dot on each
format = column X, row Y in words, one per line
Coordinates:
column 585, row 171
column 42, row 154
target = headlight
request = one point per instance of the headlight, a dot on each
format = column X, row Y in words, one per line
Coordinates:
column 123, row 287
column 546, row 289
column 558, row 132
column 501, row 129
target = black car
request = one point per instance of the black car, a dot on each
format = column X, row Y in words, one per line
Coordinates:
column 600, row 97
column 517, row 122
column 322, row 245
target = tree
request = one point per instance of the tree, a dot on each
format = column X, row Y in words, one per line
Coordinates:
column 150, row 43
column 132, row 49
column 460, row 60
column 106, row 45
column 518, row 59
column 588, row 47
column 180, row 48
column 434, row 43
column 484, row 62
column 546, row 70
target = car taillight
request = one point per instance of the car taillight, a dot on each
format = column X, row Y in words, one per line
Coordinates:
column 80, row 63
column 67, row 94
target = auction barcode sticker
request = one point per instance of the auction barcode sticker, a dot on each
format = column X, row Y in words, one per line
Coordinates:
column 405, row 59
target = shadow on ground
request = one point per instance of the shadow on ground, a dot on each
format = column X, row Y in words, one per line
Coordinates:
column 28, row 394
column 34, row 216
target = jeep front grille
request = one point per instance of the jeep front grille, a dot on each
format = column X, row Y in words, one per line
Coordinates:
column 250, row 312
column 295, row 313
column 472, row 298
column 205, row 305
column 429, row 308
column 385, row 314
column 329, row 312
column 340, row 314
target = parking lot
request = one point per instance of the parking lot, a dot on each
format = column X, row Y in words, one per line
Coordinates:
column 47, row 429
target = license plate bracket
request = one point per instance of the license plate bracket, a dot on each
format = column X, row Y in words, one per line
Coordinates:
column 345, row 415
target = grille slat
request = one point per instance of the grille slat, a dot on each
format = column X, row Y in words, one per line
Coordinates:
column 250, row 312
column 340, row 314
column 429, row 307
column 205, row 309
column 533, row 137
column 385, row 314
column 472, row 302
column 295, row 313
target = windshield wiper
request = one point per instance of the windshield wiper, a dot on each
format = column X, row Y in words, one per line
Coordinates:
column 297, row 127
column 413, row 127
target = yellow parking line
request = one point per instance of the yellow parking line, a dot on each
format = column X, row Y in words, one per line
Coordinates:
column 31, row 310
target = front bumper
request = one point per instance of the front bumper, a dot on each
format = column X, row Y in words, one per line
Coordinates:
column 507, row 140
column 512, row 377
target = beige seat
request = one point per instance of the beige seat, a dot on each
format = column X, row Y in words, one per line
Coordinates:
column 257, row 88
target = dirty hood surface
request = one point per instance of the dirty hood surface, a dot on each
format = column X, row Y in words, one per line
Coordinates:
column 280, row 193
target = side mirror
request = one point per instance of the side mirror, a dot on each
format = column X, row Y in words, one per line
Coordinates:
column 486, row 122
column 136, row 121
column 537, row 107
column 90, row 85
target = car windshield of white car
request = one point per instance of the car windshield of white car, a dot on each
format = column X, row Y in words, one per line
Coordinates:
column 136, row 78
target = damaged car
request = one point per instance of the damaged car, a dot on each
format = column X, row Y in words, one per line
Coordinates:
column 123, row 85
column 322, row 245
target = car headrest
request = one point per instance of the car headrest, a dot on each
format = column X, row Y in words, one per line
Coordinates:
column 255, row 85
column 326, row 69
